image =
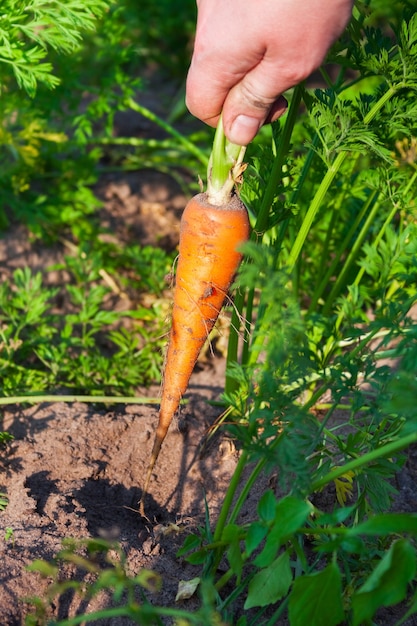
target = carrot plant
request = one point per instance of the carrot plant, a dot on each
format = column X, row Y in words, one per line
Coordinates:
column 59, row 135
column 327, row 295
column 45, row 348
column 321, row 379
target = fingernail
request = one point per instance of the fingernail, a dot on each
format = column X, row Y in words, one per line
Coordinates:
column 244, row 129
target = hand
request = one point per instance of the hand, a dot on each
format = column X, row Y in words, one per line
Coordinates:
column 247, row 53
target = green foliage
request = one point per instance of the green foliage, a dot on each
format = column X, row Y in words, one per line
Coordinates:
column 53, row 148
column 317, row 598
column 98, row 566
column 326, row 297
column 5, row 438
column 399, row 564
column 9, row 536
column 29, row 29
column 107, row 564
column 54, row 145
column 84, row 349
column 270, row 583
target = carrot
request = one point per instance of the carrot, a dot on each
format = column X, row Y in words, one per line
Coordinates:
column 210, row 235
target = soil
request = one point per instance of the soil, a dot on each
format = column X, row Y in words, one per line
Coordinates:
column 75, row 470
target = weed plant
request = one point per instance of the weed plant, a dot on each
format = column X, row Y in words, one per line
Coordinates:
column 321, row 379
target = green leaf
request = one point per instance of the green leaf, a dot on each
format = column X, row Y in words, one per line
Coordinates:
column 43, row 567
column 387, row 585
column 401, row 400
column 387, row 523
column 192, row 542
column 290, row 514
column 198, row 557
column 266, row 506
column 316, row 599
column 231, row 535
column 270, row 584
column 336, row 517
column 256, row 533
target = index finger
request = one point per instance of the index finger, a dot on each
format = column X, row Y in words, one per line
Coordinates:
column 208, row 84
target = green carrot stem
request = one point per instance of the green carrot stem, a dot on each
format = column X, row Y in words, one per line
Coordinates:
column 328, row 180
column 136, row 613
column 224, row 168
column 352, row 256
column 189, row 145
column 276, row 172
column 365, row 459
column 38, row 398
column 230, row 494
column 325, row 280
column 331, row 342
column 246, row 489
column 260, row 227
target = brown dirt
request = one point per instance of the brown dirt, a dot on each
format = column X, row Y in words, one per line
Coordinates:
column 75, row 470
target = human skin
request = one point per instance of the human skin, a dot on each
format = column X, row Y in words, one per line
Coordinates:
column 247, row 53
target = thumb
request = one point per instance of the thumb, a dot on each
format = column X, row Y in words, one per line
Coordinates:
column 255, row 100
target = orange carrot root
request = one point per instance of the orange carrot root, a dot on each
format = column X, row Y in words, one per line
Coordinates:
column 208, row 261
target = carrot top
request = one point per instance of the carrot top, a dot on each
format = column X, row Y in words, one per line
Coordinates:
column 225, row 167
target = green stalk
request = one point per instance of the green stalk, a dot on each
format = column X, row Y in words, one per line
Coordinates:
column 326, row 250
column 38, row 398
column 135, row 612
column 355, row 250
column 257, row 234
column 289, row 223
column 224, row 579
column 338, row 253
column 247, row 327
column 246, row 489
column 119, row 611
column 228, row 499
column 328, row 180
column 140, row 142
column 233, row 342
column 365, row 459
column 332, row 341
column 189, row 145
column 226, row 506
column 276, row 172
column 313, row 209
column 224, row 168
